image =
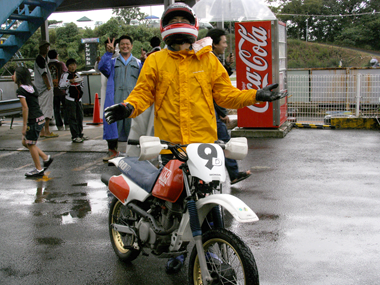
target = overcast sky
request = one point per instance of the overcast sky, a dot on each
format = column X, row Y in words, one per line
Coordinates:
column 100, row 15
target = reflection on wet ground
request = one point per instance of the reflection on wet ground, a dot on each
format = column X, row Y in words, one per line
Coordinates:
column 79, row 201
column 41, row 195
column 78, row 211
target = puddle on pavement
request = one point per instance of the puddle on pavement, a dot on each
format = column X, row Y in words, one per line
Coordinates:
column 267, row 216
column 79, row 210
column 89, row 198
column 49, row 241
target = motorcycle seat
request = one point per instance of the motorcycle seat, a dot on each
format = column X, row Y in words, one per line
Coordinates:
column 143, row 173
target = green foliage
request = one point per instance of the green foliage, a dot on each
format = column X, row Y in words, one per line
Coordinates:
column 68, row 43
column 320, row 21
column 125, row 15
column 366, row 35
column 30, row 48
column 111, row 29
column 202, row 33
column 52, row 22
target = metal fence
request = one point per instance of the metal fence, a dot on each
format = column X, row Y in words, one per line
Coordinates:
column 315, row 98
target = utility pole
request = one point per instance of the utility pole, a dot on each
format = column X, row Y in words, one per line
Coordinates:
column 307, row 29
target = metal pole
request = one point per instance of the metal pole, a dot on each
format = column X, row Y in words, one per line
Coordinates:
column 45, row 31
column 358, row 82
column 230, row 43
column 307, row 30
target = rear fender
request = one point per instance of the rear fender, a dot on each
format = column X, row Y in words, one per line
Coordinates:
column 115, row 161
column 236, row 207
column 126, row 190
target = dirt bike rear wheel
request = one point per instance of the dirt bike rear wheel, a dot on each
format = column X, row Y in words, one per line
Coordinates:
column 120, row 214
column 229, row 259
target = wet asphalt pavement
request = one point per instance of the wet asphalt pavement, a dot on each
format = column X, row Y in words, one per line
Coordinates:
column 316, row 193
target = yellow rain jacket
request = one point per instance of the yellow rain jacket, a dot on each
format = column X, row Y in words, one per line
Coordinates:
column 182, row 85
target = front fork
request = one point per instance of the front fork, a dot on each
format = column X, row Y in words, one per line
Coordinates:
column 197, row 233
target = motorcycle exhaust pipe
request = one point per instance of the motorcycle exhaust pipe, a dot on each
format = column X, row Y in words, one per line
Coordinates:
column 156, row 228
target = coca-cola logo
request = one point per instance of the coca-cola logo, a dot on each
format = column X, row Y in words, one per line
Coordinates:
column 254, row 60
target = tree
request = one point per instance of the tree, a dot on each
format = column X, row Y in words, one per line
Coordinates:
column 128, row 14
column 111, row 29
column 68, row 43
column 340, row 21
column 52, row 22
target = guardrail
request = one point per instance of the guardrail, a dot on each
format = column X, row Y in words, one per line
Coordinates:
column 10, row 108
column 317, row 96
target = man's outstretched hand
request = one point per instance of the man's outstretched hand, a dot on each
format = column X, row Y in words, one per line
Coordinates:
column 266, row 94
column 117, row 112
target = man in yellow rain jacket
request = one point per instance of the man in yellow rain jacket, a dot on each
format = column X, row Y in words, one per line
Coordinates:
column 182, row 81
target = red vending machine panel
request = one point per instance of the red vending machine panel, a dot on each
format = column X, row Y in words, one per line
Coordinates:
column 260, row 61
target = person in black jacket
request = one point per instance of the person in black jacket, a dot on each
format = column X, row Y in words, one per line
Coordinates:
column 57, row 68
column 219, row 45
column 72, row 82
column 33, row 120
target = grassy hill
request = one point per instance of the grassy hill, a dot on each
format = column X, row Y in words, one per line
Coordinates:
column 303, row 54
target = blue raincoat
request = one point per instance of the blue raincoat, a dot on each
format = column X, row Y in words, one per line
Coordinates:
column 122, row 77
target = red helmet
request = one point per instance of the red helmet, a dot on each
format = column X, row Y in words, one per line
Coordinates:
column 179, row 32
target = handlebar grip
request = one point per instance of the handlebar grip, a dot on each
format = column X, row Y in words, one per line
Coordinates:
column 133, row 142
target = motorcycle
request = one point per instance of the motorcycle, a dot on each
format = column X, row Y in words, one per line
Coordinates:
column 164, row 210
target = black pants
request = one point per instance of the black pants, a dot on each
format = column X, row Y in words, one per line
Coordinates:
column 60, row 113
column 75, row 115
column 231, row 164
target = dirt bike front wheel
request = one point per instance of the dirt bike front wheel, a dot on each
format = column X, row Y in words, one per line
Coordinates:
column 122, row 242
column 229, row 260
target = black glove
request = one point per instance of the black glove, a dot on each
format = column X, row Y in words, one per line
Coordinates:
column 117, row 112
column 266, row 94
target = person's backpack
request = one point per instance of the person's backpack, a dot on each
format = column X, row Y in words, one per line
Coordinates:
column 55, row 71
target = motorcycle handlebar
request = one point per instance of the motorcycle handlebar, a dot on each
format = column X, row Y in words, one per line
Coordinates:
column 171, row 145
column 133, row 142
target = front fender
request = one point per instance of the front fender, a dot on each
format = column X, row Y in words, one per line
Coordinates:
column 236, row 207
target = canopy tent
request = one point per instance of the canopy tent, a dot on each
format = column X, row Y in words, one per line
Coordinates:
column 84, row 19
column 151, row 17
column 232, row 10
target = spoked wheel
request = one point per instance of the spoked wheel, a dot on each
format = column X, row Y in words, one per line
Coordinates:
column 122, row 242
column 229, row 260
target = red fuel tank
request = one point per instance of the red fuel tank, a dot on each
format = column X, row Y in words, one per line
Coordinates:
column 169, row 184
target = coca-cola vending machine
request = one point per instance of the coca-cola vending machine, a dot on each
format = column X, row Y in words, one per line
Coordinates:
column 260, row 61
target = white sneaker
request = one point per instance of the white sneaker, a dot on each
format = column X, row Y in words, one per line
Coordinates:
column 78, row 140
column 35, row 173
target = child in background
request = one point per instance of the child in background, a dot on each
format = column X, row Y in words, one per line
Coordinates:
column 72, row 82
column 33, row 120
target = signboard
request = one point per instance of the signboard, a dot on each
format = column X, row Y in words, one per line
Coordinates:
column 90, row 40
column 90, row 51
